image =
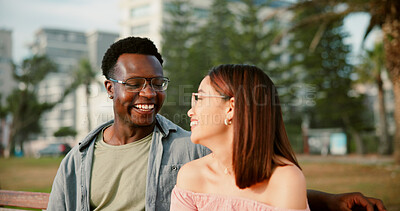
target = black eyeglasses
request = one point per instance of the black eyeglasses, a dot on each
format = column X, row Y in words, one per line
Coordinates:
column 158, row 84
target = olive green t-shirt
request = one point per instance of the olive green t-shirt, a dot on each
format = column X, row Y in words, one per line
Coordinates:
column 119, row 173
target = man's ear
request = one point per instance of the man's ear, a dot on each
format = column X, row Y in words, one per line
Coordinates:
column 109, row 87
column 231, row 109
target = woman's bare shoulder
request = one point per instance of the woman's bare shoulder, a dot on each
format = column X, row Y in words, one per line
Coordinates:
column 191, row 175
column 289, row 187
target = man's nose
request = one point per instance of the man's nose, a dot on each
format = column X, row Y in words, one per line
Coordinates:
column 147, row 91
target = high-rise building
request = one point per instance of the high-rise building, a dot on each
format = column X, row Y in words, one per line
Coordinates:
column 7, row 83
column 97, row 44
column 66, row 48
column 101, row 108
column 6, row 79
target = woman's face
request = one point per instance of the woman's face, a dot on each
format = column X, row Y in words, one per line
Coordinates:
column 207, row 113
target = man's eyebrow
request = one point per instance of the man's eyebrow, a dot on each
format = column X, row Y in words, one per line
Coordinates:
column 201, row 91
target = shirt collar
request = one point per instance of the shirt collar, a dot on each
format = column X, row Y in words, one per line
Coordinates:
column 163, row 124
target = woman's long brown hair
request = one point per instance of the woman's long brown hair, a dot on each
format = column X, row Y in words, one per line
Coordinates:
column 259, row 131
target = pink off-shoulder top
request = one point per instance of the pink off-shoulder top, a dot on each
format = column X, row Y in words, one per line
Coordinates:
column 182, row 200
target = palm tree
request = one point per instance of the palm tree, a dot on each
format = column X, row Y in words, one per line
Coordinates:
column 370, row 70
column 384, row 14
column 85, row 75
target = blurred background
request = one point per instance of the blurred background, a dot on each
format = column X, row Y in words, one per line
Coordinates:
column 335, row 63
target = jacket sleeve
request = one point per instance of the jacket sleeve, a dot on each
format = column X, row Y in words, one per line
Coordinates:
column 57, row 195
column 64, row 192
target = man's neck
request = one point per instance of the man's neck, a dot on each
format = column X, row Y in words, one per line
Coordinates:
column 120, row 133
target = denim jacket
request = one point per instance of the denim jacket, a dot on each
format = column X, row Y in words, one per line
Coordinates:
column 170, row 149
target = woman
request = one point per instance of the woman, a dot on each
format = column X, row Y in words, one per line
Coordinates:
column 236, row 114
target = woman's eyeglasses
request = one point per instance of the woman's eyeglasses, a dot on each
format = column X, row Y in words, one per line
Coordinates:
column 196, row 96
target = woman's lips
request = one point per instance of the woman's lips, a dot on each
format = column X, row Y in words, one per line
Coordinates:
column 193, row 123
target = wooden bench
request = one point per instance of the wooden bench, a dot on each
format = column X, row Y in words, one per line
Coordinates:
column 22, row 199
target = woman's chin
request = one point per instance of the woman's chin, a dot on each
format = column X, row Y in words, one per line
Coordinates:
column 194, row 139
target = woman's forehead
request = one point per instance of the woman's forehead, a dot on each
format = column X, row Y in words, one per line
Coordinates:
column 205, row 84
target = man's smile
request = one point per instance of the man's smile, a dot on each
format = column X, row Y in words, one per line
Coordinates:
column 144, row 108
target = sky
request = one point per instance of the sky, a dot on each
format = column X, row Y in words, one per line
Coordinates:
column 25, row 17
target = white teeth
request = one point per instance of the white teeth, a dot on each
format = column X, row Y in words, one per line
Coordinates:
column 144, row 106
column 193, row 123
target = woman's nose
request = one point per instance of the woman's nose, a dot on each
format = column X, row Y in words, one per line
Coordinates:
column 190, row 112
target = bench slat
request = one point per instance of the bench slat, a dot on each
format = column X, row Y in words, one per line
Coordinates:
column 24, row 199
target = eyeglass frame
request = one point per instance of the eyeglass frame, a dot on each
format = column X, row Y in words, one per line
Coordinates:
column 144, row 85
column 194, row 94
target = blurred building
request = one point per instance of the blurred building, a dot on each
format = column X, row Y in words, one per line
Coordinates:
column 66, row 48
column 97, row 44
column 7, row 82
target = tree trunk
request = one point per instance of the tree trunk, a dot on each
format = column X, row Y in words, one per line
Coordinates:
column 360, row 148
column 396, row 141
column 10, row 148
column 88, row 106
column 391, row 31
column 384, row 145
column 12, row 139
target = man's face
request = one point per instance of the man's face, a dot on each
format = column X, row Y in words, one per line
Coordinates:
column 137, row 109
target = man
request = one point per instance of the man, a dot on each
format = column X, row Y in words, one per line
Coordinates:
column 131, row 163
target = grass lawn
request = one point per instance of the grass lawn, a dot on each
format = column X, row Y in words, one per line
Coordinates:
column 28, row 174
column 375, row 177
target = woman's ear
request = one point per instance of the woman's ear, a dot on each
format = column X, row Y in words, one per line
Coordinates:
column 231, row 109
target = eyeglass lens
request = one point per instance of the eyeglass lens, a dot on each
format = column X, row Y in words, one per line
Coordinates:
column 137, row 84
column 194, row 99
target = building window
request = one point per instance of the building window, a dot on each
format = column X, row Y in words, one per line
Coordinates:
column 140, row 11
column 140, row 29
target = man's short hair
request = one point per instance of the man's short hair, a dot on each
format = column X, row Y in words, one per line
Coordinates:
column 135, row 45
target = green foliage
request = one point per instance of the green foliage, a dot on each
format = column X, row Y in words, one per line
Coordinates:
column 84, row 74
column 3, row 111
column 384, row 14
column 33, row 70
column 325, row 67
column 191, row 48
column 184, row 65
column 253, row 43
column 372, row 64
column 65, row 131
column 315, row 85
column 369, row 71
column 23, row 103
column 217, row 36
